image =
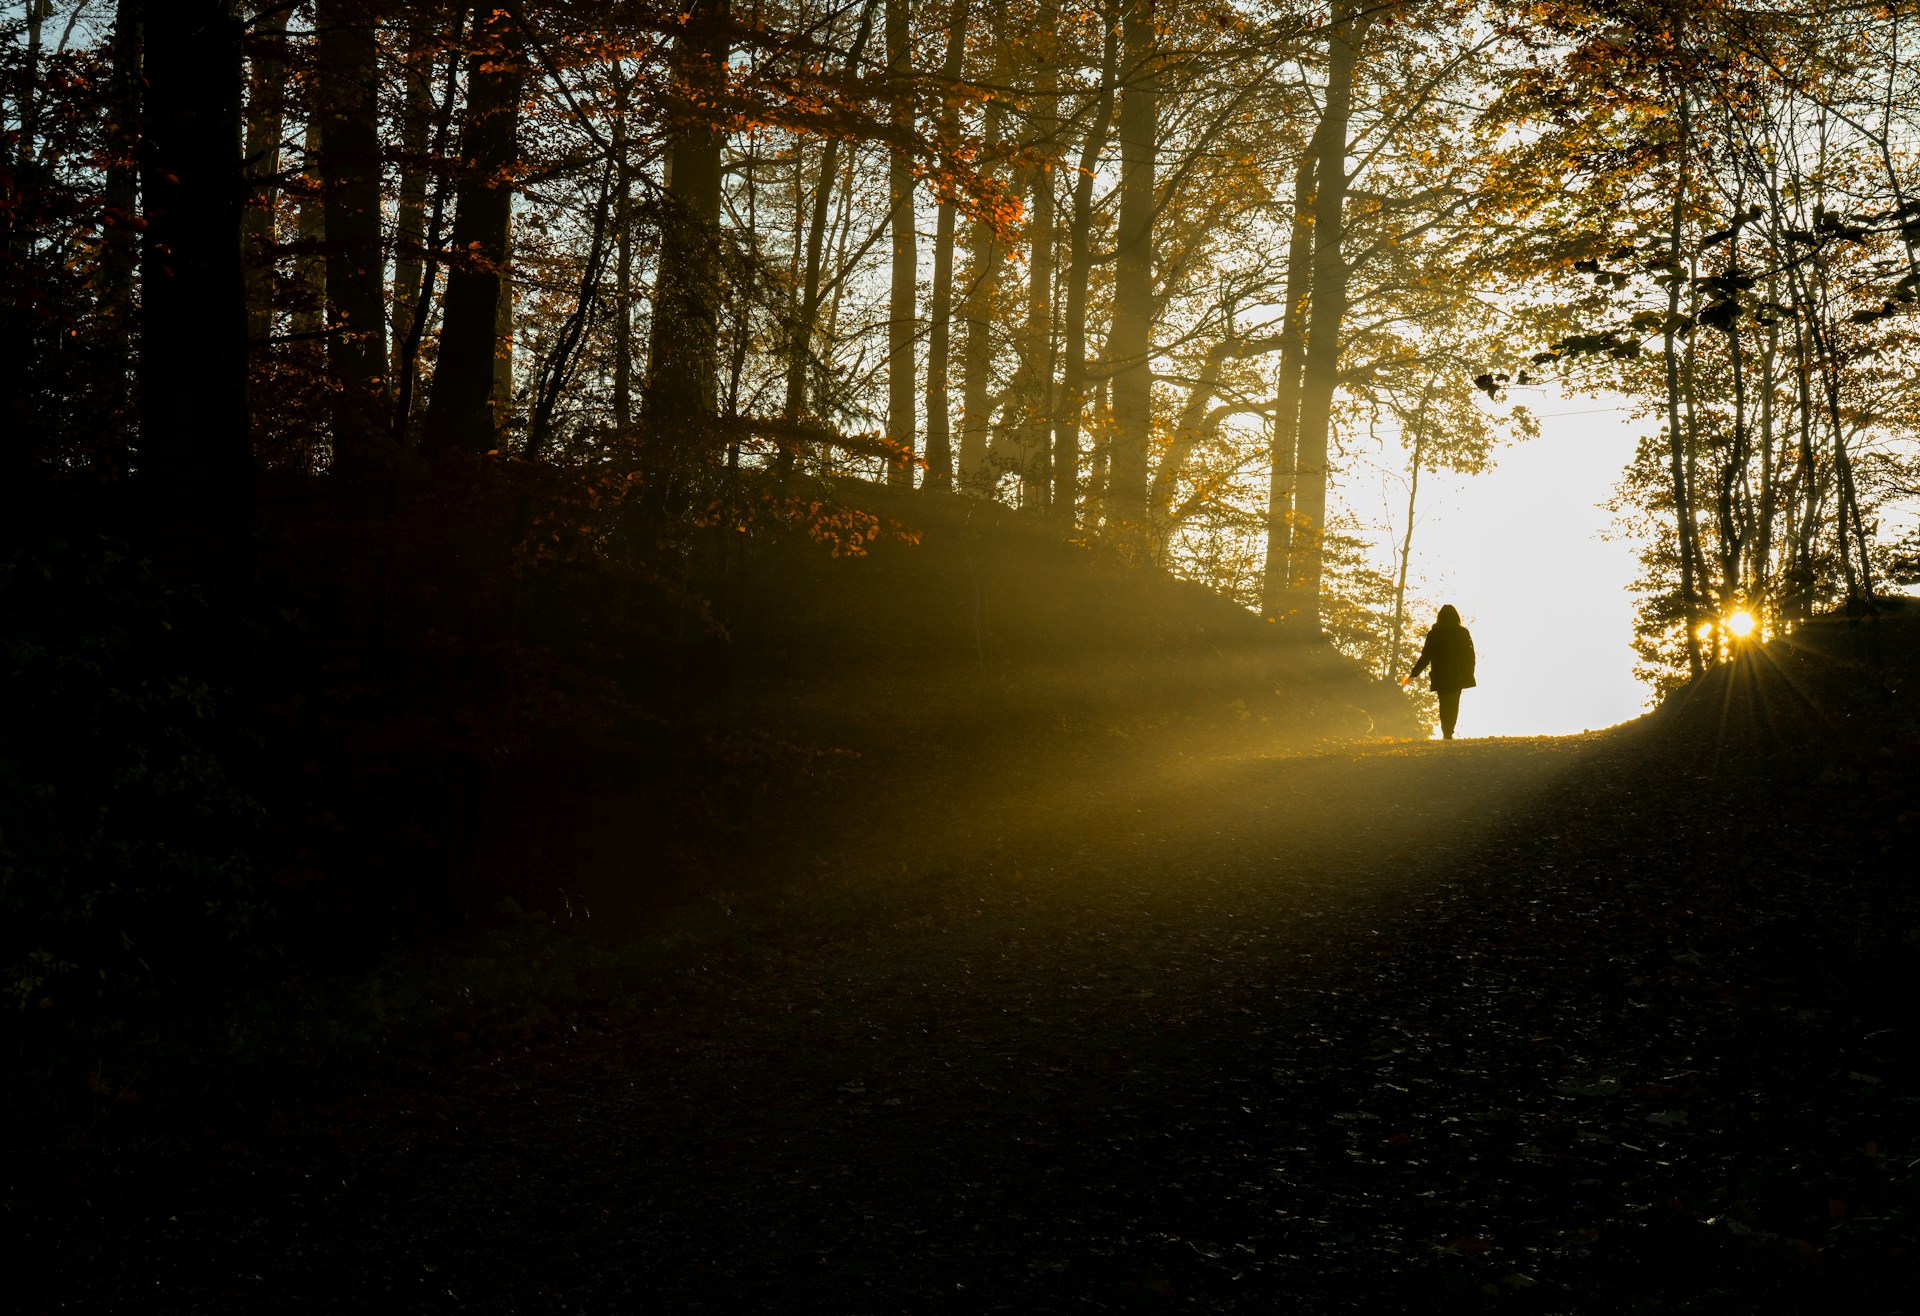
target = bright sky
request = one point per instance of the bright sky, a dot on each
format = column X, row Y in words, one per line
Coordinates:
column 1519, row 551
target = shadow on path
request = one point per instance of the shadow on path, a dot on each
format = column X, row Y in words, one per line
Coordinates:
column 1399, row 1027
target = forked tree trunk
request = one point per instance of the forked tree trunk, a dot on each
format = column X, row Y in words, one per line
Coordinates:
column 1196, row 424
column 1276, row 597
column 411, row 331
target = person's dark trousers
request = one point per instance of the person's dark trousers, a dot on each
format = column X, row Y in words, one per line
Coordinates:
column 1449, row 711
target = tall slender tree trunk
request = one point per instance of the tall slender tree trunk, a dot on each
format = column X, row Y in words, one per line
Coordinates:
column 1416, row 459
column 1130, row 342
column 120, row 256
column 976, row 308
column 1277, row 600
column 902, row 318
column 1728, row 503
column 1320, row 375
column 349, row 108
column 500, row 395
column 683, row 368
column 411, row 331
column 26, row 95
column 1690, row 414
column 622, row 263
column 194, row 454
column 1034, row 391
column 1850, row 533
column 460, row 416
column 1676, row 433
column 806, row 320
column 1073, row 372
column 800, row 348
column 940, row 297
column 1807, row 579
column 1761, row 570
column 20, row 339
column 410, row 209
column 266, row 116
column 309, row 264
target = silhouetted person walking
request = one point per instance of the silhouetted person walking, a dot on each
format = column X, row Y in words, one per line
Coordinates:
column 1449, row 653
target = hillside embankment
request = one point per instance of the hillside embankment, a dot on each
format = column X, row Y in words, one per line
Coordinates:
column 477, row 763
column 1600, row 1023
column 849, row 704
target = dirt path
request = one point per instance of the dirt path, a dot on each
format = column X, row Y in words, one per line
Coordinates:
column 1405, row 1027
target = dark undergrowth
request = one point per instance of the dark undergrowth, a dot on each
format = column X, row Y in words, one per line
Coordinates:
column 466, row 776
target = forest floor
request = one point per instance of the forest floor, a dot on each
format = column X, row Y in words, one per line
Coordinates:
column 1616, row 1022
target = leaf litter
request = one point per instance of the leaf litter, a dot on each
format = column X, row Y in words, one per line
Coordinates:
column 1611, row 1023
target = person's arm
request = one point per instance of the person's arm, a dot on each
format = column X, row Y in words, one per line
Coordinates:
column 1426, row 656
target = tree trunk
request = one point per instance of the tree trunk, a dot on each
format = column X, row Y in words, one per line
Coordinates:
column 1130, row 343
column 410, row 211
column 120, row 255
column 20, row 176
column 806, row 321
column 194, row 451
column 1414, row 461
column 410, row 331
column 500, row 395
column 266, row 114
column 349, row 109
column 940, row 299
column 800, row 347
column 1034, row 391
column 460, row 415
column 622, row 265
column 902, row 382
column 555, row 373
column 1676, row 435
column 309, row 264
column 1277, row 600
column 1807, row 505
column 1194, row 423
column 1073, row 373
column 26, row 96
column 1320, row 375
column 1761, row 570
column 976, row 307
column 683, row 366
